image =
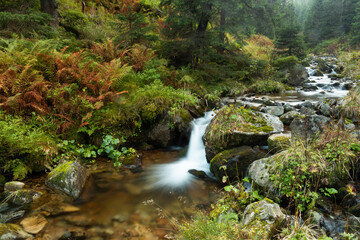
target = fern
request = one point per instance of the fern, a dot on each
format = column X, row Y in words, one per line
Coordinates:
column 108, row 52
column 140, row 55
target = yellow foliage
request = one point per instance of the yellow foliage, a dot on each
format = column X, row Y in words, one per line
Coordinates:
column 259, row 47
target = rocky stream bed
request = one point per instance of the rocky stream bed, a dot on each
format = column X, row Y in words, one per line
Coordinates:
column 97, row 201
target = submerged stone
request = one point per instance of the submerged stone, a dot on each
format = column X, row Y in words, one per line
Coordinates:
column 69, row 177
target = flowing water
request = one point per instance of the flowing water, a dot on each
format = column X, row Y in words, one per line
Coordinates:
column 118, row 204
column 148, row 205
column 323, row 87
column 175, row 175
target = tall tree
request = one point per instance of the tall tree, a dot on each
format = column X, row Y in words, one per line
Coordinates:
column 50, row 7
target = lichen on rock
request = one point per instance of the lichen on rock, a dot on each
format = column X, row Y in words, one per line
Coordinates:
column 69, row 177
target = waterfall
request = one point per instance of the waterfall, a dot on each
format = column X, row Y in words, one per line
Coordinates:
column 175, row 175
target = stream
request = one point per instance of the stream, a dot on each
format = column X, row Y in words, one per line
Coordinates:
column 118, row 204
column 147, row 205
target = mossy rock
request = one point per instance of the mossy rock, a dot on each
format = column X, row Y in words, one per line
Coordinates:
column 12, row 231
column 236, row 162
column 264, row 217
column 236, row 126
column 69, row 177
column 279, row 142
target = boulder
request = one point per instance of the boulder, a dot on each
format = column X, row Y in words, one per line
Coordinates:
column 235, row 161
column 317, row 73
column 233, row 127
column 13, row 186
column 288, row 108
column 288, row 117
column 324, row 109
column 69, row 177
column 279, row 142
column 296, row 75
column 22, row 197
column 198, row 173
column 264, row 218
column 307, row 111
column 274, row 110
column 308, row 127
column 260, row 172
column 163, row 133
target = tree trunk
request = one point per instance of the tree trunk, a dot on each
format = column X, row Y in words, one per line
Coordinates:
column 201, row 28
column 50, row 7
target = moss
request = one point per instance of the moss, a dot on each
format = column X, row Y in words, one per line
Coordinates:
column 278, row 142
column 62, row 168
column 9, row 227
column 234, row 126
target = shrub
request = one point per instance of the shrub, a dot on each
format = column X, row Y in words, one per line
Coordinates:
column 23, row 147
column 267, row 86
column 31, row 25
column 306, row 167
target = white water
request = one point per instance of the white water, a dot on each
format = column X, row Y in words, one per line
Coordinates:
column 176, row 175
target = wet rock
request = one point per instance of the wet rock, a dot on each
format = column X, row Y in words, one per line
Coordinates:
column 163, row 132
column 324, row 109
column 306, row 104
column 317, row 73
column 22, row 197
column 263, row 217
column 288, row 117
column 279, row 142
column 288, row 108
column 133, row 162
column 308, row 127
column 296, row 75
column 236, row 162
column 274, row 110
column 309, row 88
column 324, row 66
column 34, row 224
column 13, row 186
column 348, row 86
column 161, row 135
column 69, row 177
column 10, row 216
column 307, row 111
column 198, row 173
column 228, row 130
column 12, row 231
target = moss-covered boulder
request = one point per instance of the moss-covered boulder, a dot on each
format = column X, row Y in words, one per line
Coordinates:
column 12, row 231
column 279, row 142
column 235, row 161
column 236, row 126
column 274, row 110
column 69, row 177
column 264, row 218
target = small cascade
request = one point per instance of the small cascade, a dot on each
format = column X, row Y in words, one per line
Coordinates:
column 175, row 174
